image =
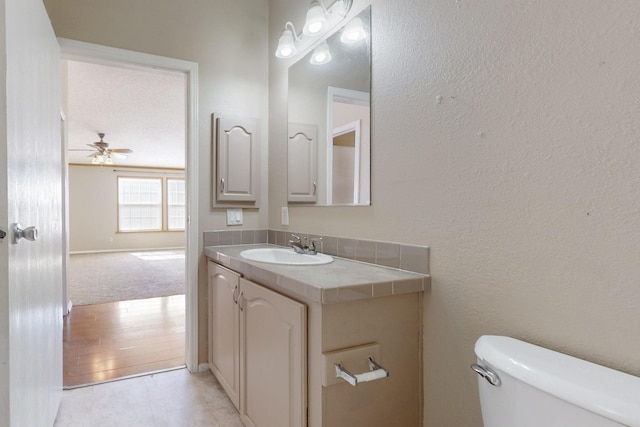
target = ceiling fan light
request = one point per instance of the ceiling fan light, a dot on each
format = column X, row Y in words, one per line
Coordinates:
column 108, row 161
column 95, row 160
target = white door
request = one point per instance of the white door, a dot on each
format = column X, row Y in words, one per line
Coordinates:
column 30, row 194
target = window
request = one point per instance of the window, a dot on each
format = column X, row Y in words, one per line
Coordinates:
column 143, row 205
column 175, row 204
column 139, row 204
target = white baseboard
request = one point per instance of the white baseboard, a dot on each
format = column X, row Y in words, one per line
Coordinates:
column 203, row 367
column 125, row 250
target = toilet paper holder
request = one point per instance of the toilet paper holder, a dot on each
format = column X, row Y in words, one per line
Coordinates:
column 376, row 372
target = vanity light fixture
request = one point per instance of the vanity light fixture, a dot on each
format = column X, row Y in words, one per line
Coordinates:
column 316, row 19
column 353, row 32
column 287, row 42
column 319, row 21
column 321, row 54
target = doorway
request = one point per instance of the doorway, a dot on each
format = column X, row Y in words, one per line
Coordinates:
column 100, row 55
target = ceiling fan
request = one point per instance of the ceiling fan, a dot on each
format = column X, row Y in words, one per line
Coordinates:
column 101, row 152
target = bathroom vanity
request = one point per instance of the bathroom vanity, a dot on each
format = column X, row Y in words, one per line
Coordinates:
column 277, row 332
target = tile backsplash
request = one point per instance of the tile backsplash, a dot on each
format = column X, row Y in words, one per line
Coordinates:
column 395, row 255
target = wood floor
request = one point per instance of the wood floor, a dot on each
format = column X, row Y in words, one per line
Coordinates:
column 119, row 339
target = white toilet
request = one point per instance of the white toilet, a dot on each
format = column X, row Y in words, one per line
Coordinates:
column 523, row 385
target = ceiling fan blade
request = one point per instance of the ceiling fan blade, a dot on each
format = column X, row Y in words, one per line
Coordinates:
column 120, row 150
column 95, row 147
column 80, row 149
column 118, row 156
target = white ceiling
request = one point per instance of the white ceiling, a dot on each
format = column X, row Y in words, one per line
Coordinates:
column 137, row 109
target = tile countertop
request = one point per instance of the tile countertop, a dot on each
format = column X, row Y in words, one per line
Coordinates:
column 339, row 281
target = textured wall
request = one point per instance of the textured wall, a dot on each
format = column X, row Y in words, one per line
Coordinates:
column 505, row 136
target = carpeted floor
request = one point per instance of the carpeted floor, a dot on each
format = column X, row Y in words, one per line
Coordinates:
column 120, row 276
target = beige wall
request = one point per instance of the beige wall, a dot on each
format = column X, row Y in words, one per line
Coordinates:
column 93, row 211
column 505, row 136
column 228, row 41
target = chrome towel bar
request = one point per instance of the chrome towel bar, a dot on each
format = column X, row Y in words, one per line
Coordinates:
column 376, row 372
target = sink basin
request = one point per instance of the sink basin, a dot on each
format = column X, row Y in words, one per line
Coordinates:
column 284, row 256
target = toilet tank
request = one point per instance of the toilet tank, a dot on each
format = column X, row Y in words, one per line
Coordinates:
column 539, row 387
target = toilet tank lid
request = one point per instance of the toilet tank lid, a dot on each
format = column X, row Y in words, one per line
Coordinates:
column 601, row 390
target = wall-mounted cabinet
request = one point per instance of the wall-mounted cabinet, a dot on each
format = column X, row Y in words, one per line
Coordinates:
column 237, row 161
column 302, row 163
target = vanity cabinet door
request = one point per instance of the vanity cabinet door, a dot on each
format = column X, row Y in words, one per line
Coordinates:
column 224, row 329
column 237, row 154
column 273, row 358
column 302, row 159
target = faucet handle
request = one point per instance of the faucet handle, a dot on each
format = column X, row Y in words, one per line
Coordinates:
column 312, row 244
column 296, row 237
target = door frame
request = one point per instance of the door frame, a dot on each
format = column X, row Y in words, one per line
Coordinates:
column 89, row 52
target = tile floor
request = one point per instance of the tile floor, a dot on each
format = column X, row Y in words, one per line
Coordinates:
column 169, row 399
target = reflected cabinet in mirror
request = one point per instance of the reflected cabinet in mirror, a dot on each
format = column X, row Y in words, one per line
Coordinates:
column 329, row 141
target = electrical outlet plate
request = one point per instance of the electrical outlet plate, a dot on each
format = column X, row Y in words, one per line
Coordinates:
column 284, row 216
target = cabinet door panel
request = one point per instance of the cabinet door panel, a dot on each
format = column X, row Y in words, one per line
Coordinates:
column 302, row 178
column 273, row 358
column 238, row 148
column 224, row 329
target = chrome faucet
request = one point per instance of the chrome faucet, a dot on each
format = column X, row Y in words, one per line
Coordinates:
column 297, row 245
column 300, row 245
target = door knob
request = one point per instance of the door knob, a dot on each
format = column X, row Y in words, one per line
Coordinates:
column 2, row 234
column 29, row 233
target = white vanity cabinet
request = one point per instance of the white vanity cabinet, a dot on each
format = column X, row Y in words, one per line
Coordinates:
column 224, row 329
column 297, row 323
column 257, row 349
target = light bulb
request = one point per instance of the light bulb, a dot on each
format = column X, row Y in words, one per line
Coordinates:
column 286, row 45
column 353, row 32
column 316, row 20
column 321, row 54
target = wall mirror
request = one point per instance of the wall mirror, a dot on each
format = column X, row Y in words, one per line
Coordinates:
column 329, row 120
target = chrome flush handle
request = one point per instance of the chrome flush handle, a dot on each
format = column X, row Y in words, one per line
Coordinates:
column 487, row 374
